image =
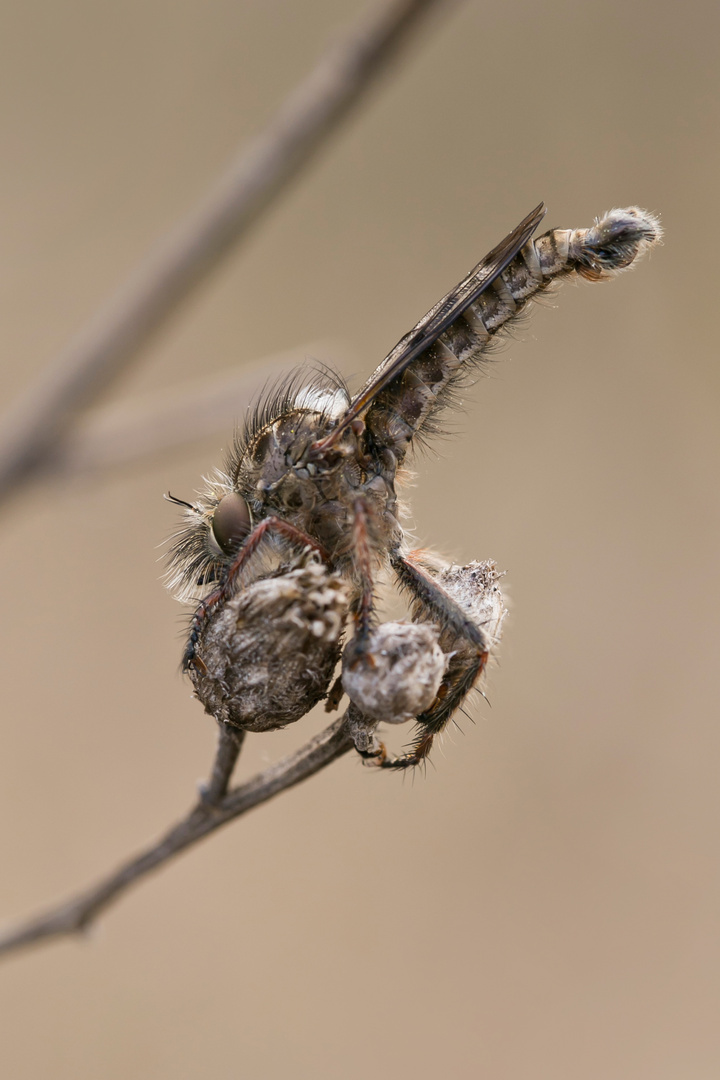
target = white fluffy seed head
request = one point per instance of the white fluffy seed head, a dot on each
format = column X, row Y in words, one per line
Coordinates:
column 475, row 588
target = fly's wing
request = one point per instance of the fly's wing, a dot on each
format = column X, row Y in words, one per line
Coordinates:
column 439, row 318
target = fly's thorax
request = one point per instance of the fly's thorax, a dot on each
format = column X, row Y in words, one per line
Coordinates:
column 279, row 474
column 271, row 475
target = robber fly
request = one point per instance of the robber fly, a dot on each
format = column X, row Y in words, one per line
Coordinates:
column 314, row 473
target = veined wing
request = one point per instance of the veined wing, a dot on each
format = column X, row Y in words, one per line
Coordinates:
column 438, row 319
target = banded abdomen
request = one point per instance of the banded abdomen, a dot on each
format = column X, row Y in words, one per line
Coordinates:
column 409, row 404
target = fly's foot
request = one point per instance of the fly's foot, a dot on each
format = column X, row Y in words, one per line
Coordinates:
column 376, row 757
column 362, row 732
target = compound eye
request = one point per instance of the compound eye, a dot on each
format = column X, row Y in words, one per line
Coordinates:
column 231, row 522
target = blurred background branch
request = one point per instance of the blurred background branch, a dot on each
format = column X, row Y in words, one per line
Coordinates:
column 185, row 257
column 132, row 431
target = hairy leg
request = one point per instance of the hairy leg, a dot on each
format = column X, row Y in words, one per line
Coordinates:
column 362, row 559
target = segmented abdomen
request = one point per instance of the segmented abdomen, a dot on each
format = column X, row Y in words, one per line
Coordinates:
column 409, row 405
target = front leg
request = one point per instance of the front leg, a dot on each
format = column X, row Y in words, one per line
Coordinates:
column 248, row 549
column 362, row 564
column 358, row 652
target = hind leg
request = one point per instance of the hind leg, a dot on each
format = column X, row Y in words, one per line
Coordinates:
column 459, row 635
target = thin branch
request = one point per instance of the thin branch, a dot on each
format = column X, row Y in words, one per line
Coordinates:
column 77, row 914
column 185, row 257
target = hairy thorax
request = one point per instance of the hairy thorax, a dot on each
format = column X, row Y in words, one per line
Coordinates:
column 319, row 494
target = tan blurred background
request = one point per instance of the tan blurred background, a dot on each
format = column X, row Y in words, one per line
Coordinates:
column 544, row 903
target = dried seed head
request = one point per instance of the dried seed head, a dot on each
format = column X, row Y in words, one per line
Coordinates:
column 268, row 654
column 397, row 675
column 475, row 588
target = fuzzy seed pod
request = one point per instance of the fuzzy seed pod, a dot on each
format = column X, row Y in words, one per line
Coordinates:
column 398, row 675
column 268, row 654
column 475, row 588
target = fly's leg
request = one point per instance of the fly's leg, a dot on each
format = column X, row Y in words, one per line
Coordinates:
column 362, row 557
column 357, row 651
column 248, row 549
column 459, row 636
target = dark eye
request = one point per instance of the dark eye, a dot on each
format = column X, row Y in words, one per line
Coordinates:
column 231, row 522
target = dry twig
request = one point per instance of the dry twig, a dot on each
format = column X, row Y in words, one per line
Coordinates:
column 214, row 809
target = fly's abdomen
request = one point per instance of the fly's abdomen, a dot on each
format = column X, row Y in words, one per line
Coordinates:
column 611, row 245
column 410, row 404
